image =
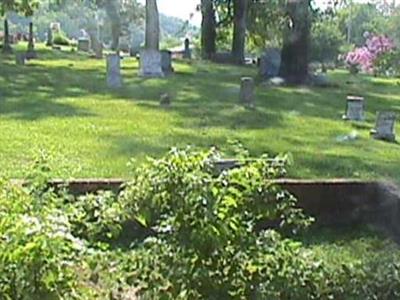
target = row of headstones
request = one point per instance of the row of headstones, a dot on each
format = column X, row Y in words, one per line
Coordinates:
column 84, row 46
column 385, row 122
column 152, row 64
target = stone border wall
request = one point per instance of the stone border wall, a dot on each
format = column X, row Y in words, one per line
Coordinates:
column 333, row 202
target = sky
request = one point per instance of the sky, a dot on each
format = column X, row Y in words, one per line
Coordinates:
column 183, row 9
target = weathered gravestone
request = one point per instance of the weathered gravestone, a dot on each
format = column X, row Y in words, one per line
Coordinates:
column 247, row 91
column 83, row 44
column 270, row 63
column 187, row 53
column 165, row 100
column 150, row 63
column 98, row 52
column 222, row 58
column 385, row 126
column 166, row 62
column 354, row 108
column 20, row 58
column 114, row 78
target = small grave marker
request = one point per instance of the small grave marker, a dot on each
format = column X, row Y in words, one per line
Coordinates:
column 83, row 44
column 20, row 59
column 247, row 91
column 114, row 78
column 165, row 100
column 166, row 62
column 385, row 126
column 354, row 108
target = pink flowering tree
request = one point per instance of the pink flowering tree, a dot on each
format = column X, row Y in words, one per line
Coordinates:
column 366, row 58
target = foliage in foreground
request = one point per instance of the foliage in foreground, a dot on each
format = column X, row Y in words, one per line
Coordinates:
column 206, row 236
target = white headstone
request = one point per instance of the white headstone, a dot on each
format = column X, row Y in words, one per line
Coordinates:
column 385, row 126
column 270, row 63
column 150, row 63
column 114, row 78
column 354, row 108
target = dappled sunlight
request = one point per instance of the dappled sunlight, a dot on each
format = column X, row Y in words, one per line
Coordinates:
column 97, row 129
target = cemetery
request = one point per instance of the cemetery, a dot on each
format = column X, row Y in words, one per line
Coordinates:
column 139, row 162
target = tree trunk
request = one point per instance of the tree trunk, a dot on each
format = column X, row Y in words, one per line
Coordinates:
column 31, row 45
column 295, row 50
column 208, row 29
column 240, row 10
column 31, row 53
column 113, row 14
column 152, row 26
column 6, row 42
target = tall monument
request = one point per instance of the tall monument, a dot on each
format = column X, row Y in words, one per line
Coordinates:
column 150, row 56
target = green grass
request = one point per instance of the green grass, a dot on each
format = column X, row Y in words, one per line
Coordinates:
column 60, row 103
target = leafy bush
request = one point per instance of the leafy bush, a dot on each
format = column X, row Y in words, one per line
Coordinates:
column 59, row 38
column 388, row 64
column 37, row 249
column 210, row 235
column 214, row 237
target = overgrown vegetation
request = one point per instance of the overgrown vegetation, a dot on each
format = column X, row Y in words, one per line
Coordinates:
column 179, row 230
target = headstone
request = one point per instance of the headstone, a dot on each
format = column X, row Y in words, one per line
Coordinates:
column 83, row 44
column 55, row 26
column 385, row 126
column 270, row 63
column 165, row 100
column 247, row 91
column 166, row 62
column 187, row 53
column 150, row 63
column 98, row 51
column 222, row 58
column 319, row 80
column 20, row 59
column 114, row 78
column 354, row 108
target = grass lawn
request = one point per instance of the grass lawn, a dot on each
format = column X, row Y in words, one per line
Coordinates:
column 60, row 103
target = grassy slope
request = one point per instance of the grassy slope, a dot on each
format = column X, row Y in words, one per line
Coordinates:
column 61, row 103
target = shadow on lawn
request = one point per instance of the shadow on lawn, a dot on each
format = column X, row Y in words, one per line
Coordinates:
column 207, row 95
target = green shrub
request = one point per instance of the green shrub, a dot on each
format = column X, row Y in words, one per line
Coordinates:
column 209, row 236
column 59, row 38
column 37, row 249
column 208, row 242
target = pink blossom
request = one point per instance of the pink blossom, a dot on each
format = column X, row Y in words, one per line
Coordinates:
column 364, row 57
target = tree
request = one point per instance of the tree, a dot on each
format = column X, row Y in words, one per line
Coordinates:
column 240, row 11
column 295, row 49
column 152, row 39
column 113, row 12
column 208, row 29
column 25, row 7
column 265, row 23
column 326, row 40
